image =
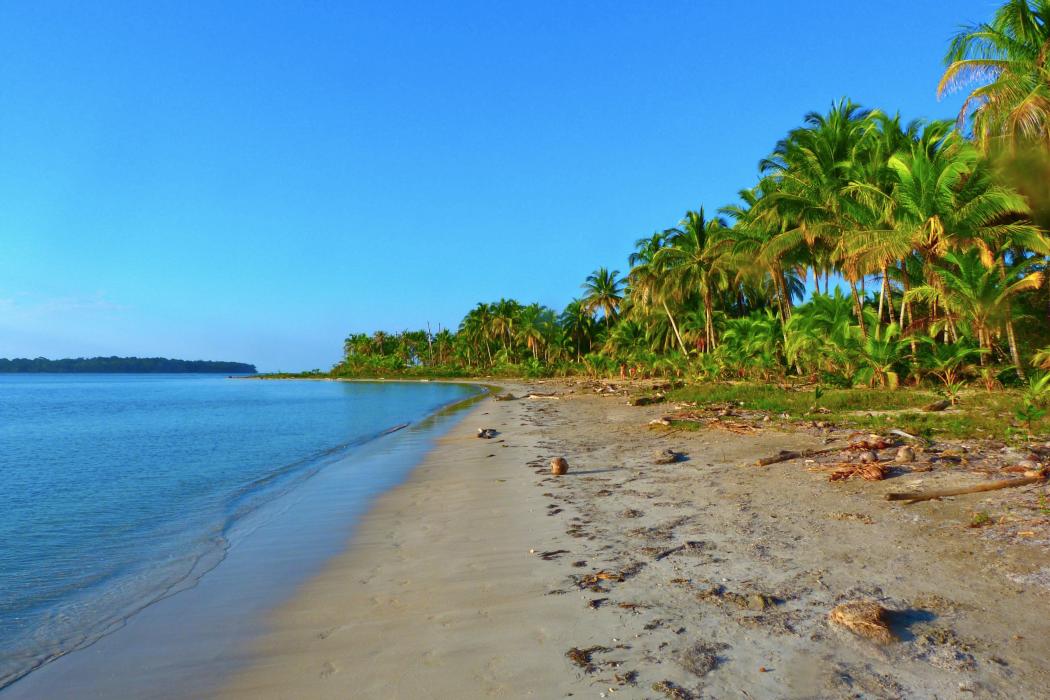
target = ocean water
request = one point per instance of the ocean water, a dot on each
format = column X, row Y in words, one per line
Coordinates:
column 117, row 491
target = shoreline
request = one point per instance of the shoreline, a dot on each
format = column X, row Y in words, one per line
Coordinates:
column 185, row 643
column 483, row 576
column 436, row 595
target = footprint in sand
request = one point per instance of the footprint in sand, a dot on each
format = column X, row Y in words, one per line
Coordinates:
column 328, row 632
column 328, row 669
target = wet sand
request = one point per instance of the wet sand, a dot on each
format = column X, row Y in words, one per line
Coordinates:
column 718, row 576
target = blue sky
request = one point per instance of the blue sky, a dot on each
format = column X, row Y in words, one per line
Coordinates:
column 253, row 181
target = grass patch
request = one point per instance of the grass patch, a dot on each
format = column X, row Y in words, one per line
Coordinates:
column 980, row 414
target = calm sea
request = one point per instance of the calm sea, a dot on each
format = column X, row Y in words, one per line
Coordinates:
column 118, row 490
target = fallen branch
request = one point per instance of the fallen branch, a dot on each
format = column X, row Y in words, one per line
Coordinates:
column 785, row 455
column 910, row 498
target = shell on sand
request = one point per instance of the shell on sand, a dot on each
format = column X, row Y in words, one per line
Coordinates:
column 864, row 618
column 559, row 466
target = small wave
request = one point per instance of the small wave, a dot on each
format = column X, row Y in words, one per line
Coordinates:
column 110, row 602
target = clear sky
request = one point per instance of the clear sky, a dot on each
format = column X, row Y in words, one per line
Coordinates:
column 253, row 181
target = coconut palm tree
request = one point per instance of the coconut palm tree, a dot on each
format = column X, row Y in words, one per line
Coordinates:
column 578, row 324
column 805, row 185
column 1006, row 60
column 648, row 283
column 603, row 290
column 691, row 262
column 969, row 289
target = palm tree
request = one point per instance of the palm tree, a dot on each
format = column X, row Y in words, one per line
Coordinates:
column 535, row 326
column 648, row 281
column 805, row 187
column 1007, row 61
column 691, row 262
column 970, row 289
column 578, row 324
column 603, row 290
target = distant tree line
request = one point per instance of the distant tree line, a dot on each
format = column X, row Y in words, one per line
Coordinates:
column 136, row 365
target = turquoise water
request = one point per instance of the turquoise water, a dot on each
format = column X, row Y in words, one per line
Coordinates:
column 117, row 491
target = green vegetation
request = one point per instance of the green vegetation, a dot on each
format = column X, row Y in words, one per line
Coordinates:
column 924, row 245
column 136, row 365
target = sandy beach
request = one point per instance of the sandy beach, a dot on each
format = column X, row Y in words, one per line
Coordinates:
column 484, row 576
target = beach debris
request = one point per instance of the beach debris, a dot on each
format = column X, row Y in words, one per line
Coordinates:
column 701, row 658
column 672, row 690
column 869, row 471
column 868, row 457
column 646, row 400
column 873, row 443
column 786, row 455
column 505, row 397
column 629, row 678
column 593, row 581
column 859, row 517
column 910, row 498
column 751, row 601
column 904, row 455
column 487, row 433
column 864, row 618
column 584, row 657
column 538, row 395
column 667, row 456
column 665, row 421
column 559, row 466
column 690, row 547
column 734, row 427
column 937, row 405
column 553, row 554
column 596, row 603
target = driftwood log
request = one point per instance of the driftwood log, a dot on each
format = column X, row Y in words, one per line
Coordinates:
column 910, row 498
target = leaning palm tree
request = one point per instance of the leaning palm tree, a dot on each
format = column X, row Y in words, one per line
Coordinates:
column 1007, row 60
column 648, row 283
column 603, row 290
column 693, row 263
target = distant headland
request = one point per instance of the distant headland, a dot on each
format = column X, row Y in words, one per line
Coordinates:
column 136, row 365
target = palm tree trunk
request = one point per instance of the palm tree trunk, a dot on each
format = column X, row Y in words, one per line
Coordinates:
column 883, row 294
column 1015, row 354
column 709, row 325
column 858, row 308
column 674, row 325
column 784, row 292
column 889, row 294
